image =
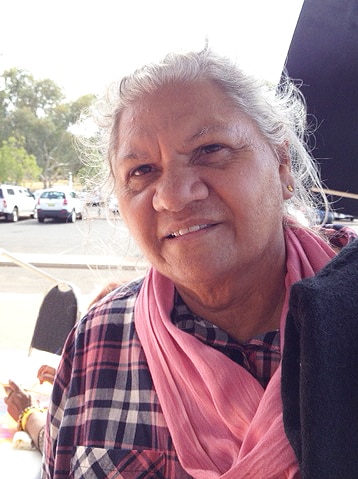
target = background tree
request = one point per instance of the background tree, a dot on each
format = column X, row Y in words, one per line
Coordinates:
column 16, row 165
column 36, row 112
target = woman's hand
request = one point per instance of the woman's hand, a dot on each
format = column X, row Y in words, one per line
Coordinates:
column 46, row 373
column 17, row 400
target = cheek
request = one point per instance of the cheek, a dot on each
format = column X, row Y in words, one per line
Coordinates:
column 136, row 214
column 271, row 202
column 263, row 195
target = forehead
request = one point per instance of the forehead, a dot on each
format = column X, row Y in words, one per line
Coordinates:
column 176, row 103
column 172, row 95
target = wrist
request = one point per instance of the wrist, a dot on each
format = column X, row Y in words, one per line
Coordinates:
column 24, row 416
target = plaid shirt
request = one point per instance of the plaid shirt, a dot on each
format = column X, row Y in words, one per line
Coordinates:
column 105, row 417
column 105, row 420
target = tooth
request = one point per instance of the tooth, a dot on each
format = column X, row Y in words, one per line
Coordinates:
column 194, row 228
column 185, row 231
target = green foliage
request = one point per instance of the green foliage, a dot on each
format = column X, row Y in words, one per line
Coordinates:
column 23, row 91
column 16, row 165
column 33, row 113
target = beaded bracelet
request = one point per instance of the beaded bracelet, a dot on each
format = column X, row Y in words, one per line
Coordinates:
column 21, row 423
column 40, row 439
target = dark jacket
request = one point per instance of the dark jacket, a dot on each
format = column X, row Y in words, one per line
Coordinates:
column 320, row 370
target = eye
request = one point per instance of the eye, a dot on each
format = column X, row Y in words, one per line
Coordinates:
column 212, row 154
column 141, row 176
column 141, row 170
column 211, row 148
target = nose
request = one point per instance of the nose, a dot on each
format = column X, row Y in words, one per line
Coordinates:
column 176, row 189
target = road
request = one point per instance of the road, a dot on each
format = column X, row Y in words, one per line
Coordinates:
column 104, row 244
column 96, row 234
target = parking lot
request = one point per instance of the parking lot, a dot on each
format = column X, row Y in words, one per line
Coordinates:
column 89, row 254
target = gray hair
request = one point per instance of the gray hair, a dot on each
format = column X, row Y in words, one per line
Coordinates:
column 279, row 111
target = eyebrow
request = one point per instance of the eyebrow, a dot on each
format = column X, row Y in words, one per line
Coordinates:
column 131, row 156
column 207, row 129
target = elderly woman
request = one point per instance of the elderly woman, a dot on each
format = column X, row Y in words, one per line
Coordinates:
column 177, row 374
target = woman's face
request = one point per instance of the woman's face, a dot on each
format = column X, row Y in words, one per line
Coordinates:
column 198, row 186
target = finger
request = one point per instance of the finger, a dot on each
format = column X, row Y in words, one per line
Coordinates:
column 46, row 373
column 46, row 369
column 13, row 385
column 8, row 391
column 42, row 371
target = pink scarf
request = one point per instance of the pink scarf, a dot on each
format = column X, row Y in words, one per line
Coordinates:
column 222, row 422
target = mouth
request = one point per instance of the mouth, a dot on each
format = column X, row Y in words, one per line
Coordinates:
column 190, row 229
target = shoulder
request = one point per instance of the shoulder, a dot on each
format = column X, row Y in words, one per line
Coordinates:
column 115, row 304
column 107, row 325
column 121, row 293
column 345, row 261
column 335, row 286
column 111, row 315
column 344, row 267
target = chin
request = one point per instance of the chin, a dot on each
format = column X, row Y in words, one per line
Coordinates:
column 192, row 275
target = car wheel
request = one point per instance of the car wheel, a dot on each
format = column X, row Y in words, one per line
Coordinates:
column 40, row 220
column 14, row 215
column 73, row 216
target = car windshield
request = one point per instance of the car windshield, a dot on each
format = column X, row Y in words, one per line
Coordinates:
column 53, row 195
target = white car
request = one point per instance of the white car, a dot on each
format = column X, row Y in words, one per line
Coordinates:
column 16, row 202
column 60, row 204
column 113, row 204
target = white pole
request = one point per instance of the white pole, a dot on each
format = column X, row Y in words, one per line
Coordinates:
column 28, row 266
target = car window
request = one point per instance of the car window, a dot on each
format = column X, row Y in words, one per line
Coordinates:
column 57, row 195
column 1, row 193
column 10, row 191
column 53, row 195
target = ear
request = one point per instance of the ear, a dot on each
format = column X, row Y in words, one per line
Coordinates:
column 287, row 180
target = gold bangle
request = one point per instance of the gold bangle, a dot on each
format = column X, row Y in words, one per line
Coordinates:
column 26, row 413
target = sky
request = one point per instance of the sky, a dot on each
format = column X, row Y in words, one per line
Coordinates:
column 84, row 45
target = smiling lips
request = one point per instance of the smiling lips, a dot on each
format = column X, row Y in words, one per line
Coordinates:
column 185, row 231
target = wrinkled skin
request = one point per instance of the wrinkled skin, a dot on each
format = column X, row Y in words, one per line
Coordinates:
column 202, row 191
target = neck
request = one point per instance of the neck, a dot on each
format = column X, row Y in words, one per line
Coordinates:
column 245, row 310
